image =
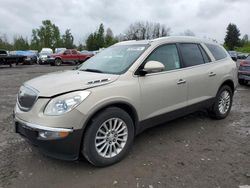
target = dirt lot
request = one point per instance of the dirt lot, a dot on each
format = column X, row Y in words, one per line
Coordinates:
column 193, row 151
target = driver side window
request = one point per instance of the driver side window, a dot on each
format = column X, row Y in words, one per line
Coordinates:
column 167, row 55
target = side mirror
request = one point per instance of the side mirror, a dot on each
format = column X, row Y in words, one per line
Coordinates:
column 152, row 67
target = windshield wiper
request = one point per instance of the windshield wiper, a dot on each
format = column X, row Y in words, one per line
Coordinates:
column 92, row 70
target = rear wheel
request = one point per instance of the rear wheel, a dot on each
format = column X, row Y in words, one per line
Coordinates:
column 109, row 137
column 222, row 104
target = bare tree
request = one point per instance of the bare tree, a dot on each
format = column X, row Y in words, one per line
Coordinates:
column 188, row 32
column 146, row 30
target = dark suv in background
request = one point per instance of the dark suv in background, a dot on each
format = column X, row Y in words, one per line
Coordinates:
column 244, row 71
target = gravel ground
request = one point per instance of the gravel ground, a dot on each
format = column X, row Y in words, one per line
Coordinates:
column 193, row 151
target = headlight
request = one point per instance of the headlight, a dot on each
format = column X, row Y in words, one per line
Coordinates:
column 65, row 103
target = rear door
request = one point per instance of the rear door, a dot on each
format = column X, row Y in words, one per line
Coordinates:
column 165, row 91
column 196, row 65
column 221, row 67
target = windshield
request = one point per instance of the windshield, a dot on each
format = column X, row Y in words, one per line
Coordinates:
column 45, row 53
column 248, row 58
column 114, row 60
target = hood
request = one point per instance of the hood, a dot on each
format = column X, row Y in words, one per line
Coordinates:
column 65, row 81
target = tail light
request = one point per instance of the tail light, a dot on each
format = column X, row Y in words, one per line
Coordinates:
column 244, row 63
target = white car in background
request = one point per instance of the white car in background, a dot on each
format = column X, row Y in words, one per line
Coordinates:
column 44, row 55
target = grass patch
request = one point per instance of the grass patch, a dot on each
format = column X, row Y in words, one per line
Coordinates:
column 244, row 49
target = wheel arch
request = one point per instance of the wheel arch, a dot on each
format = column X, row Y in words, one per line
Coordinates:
column 230, row 83
column 129, row 108
column 58, row 58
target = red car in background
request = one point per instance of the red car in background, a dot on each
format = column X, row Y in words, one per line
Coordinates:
column 68, row 56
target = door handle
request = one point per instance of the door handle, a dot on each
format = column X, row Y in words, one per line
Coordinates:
column 181, row 81
column 212, row 74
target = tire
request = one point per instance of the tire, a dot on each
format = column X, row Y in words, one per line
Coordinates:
column 96, row 128
column 242, row 82
column 58, row 62
column 223, row 103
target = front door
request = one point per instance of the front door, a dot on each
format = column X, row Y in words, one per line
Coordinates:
column 165, row 91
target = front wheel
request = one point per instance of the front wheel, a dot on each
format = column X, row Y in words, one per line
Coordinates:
column 109, row 137
column 58, row 62
column 222, row 104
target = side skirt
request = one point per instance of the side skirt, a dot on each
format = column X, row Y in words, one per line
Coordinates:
column 163, row 118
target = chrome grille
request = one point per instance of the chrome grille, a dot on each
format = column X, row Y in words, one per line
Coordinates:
column 26, row 98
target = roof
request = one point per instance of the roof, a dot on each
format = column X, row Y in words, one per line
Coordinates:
column 167, row 39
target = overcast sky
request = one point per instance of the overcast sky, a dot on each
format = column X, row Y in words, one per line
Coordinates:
column 204, row 17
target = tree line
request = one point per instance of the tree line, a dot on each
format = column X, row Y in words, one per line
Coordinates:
column 49, row 35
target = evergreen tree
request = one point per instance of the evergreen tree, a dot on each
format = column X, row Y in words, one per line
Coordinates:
column 109, row 38
column 68, row 40
column 99, row 39
column 20, row 43
column 232, row 37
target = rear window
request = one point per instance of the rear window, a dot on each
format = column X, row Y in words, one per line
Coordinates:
column 191, row 54
column 217, row 51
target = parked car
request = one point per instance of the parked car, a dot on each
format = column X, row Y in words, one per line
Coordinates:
column 43, row 57
column 98, row 109
column 68, row 56
column 244, row 71
column 233, row 55
column 10, row 59
column 242, row 55
column 44, row 54
column 48, row 50
column 30, row 56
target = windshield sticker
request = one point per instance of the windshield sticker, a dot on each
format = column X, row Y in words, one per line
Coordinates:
column 136, row 49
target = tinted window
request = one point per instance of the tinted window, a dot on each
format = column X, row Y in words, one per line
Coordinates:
column 217, row 51
column 191, row 54
column 167, row 55
column 74, row 52
column 205, row 56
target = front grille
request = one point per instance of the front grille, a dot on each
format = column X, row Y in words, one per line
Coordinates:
column 26, row 98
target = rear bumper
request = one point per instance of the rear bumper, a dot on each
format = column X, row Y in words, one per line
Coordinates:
column 67, row 148
column 244, row 75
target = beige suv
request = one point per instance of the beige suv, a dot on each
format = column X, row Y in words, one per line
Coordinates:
column 97, row 110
